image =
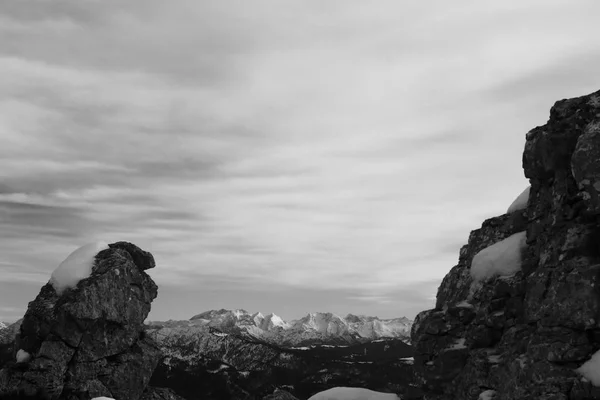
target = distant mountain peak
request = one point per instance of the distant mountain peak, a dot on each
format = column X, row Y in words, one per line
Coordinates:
column 214, row 313
column 314, row 327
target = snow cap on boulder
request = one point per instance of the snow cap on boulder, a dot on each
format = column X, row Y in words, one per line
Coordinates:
column 77, row 266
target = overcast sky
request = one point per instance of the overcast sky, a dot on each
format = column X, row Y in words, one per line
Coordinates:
column 277, row 156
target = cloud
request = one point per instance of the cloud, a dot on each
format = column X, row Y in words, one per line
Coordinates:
column 372, row 299
column 334, row 149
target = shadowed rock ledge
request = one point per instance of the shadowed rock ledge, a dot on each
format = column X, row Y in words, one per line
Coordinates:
column 89, row 341
column 523, row 336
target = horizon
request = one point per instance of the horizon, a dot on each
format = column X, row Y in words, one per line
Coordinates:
column 256, row 312
column 292, row 319
column 280, row 157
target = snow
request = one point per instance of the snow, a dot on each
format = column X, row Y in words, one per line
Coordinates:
column 591, row 369
column 502, row 258
column 349, row 393
column 221, row 367
column 276, row 320
column 520, row 202
column 77, row 266
column 494, row 359
column 103, row 398
column 464, row 304
column 23, row 356
column 487, row 395
column 458, row 345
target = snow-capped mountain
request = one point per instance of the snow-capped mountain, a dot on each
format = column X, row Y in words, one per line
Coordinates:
column 200, row 359
column 314, row 328
column 9, row 331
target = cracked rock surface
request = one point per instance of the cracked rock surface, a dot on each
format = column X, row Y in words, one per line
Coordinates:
column 89, row 342
column 523, row 336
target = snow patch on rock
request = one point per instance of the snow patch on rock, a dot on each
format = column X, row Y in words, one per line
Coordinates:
column 500, row 259
column 458, row 345
column 77, row 266
column 591, row 369
column 487, row 395
column 464, row 304
column 350, row 393
column 23, row 356
column 520, row 202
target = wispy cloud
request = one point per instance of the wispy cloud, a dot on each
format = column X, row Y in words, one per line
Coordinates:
column 340, row 150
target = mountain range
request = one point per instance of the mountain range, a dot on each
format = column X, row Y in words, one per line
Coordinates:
column 314, row 328
column 204, row 362
column 8, row 331
column 235, row 354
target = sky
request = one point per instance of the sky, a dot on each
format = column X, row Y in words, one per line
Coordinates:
column 278, row 156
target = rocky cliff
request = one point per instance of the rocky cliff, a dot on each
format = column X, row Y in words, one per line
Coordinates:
column 89, row 340
column 524, row 334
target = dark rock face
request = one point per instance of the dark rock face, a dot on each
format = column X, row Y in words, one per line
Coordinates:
column 523, row 336
column 280, row 395
column 152, row 393
column 89, row 341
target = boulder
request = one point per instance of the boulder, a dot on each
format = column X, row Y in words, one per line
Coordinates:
column 89, row 341
column 523, row 336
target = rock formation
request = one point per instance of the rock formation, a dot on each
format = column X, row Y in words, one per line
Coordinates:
column 523, row 336
column 90, row 340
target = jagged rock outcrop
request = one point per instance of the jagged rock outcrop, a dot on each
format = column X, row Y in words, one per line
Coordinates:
column 523, row 336
column 89, row 341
